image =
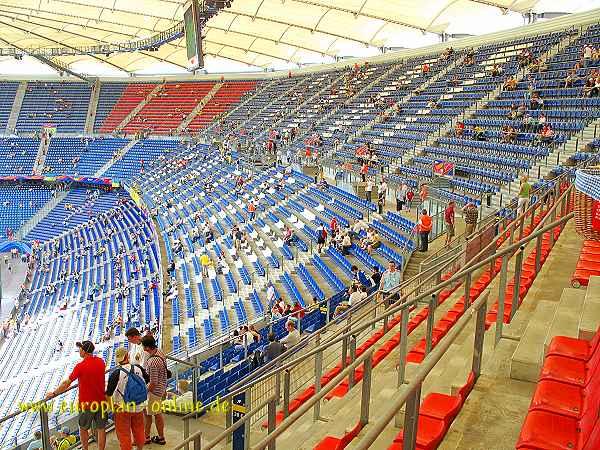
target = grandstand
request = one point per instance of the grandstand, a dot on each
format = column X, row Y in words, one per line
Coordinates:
column 193, row 205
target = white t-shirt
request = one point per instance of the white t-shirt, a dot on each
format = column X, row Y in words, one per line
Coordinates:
column 382, row 188
column 292, row 338
column 123, row 376
column 356, row 296
column 137, row 355
column 369, row 186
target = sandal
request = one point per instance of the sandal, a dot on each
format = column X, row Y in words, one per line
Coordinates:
column 148, row 440
column 159, row 440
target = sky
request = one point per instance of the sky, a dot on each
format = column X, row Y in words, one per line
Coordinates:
column 488, row 23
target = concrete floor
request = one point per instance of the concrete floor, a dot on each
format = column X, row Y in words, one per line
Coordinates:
column 11, row 281
column 492, row 416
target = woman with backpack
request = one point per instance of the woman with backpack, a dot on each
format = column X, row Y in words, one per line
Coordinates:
column 127, row 388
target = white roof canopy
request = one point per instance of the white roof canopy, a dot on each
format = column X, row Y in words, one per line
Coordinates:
column 259, row 33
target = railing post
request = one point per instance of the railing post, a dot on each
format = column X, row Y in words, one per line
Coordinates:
column 385, row 325
column 467, row 296
column 403, row 346
column 366, row 389
column 430, row 324
column 501, row 297
column 538, row 253
column 271, row 422
column 516, row 297
column 411, row 419
column 286, row 393
column 198, row 442
column 229, row 418
column 277, row 387
column 552, row 219
column 352, row 358
column 478, row 339
column 186, row 432
column 318, row 374
column 45, row 429
column 344, row 352
column 247, row 425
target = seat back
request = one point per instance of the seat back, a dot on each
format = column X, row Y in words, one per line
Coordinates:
column 466, row 389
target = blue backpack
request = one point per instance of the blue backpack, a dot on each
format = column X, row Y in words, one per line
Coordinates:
column 135, row 388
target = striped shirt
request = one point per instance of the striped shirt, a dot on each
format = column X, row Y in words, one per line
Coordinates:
column 156, row 367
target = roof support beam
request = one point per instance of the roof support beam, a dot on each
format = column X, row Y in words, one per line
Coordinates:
column 54, row 65
column 73, row 34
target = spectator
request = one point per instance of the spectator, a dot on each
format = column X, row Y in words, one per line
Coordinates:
column 137, row 355
column 273, row 349
column 390, row 279
column 569, row 80
column 127, row 388
column 360, row 278
column 271, row 295
column 510, row 84
column 293, row 336
column 470, row 215
column 156, row 367
column 64, row 440
column 288, row 237
column 206, row 263
column 355, row 296
column 376, row 277
column 321, row 238
column 382, row 190
column 89, row 374
column 333, row 226
column 524, row 194
column 459, row 129
column 251, row 211
column 449, row 221
column 369, row 189
column 346, row 244
column 424, row 228
column 547, row 134
column 36, row 444
column 401, row 197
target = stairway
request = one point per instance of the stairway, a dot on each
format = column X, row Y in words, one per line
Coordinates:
column 113, row 160
column 92, row 108
column 139, row 107
column 199, row 107
column 16, row 108
column 40, row 158
column 413, row 267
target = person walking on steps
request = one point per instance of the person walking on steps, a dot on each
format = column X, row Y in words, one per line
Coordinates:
column 424, row 228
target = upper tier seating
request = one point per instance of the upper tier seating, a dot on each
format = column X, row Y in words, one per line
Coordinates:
column 110, row 93
column 131, row 96
column 18, row 155
column 8, row 89
column 167, row 110
column 60, row 104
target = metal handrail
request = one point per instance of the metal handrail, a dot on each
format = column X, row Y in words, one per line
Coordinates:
column 469, row 268
column 432, row 357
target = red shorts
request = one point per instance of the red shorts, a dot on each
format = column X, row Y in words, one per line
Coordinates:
column 130, row 428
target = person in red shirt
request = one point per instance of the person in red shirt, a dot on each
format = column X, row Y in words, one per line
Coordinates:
column 449, row 220
column 251, row 211
column 424, row 228
column 364, row 170
column 333, row 225
column 93, row 408
column 321, row 238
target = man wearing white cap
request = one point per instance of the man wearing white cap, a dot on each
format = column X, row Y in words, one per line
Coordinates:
column 127, row 388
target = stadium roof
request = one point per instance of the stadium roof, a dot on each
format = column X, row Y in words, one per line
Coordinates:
column 251, row 33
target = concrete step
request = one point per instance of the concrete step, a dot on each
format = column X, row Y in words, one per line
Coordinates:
column 566, row 318
column 590, row 317
column 528, row 356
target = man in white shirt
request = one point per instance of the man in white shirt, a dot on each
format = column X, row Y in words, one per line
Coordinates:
column 137, row 355
column 270, row 296
column 382, row 190
column 369, row 190
column 293, row 336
